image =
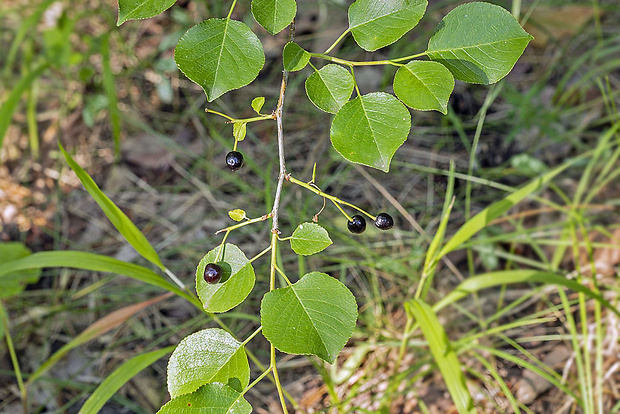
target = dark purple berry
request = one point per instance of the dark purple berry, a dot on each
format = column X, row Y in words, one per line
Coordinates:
column 384, row 221
column 213, row 273
column 357, row 224
column 234, row 160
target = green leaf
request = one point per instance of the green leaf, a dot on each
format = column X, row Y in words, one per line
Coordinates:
column 330, row 87
column 219, row 55
column 236, row 283
column 274, row 15
column 141, row 9
column 478, row 42
column 376, row 24
column 314, row 316
column 507, row 277
column 309, row 238
column 89, row 261
column 237, row 214
column 369, row 129
column 210, row 355
column 443, row 354
column 294, row 57
column 424, row 86
column 14, row 283
column 122, row 223
column 239, row 130
column 257, row 103
column 213, row 398
column 120, row 377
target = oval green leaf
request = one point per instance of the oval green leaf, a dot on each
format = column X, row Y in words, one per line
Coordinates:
column 239, row 130
column 210, row 355
column 237, row 214
column 274, row 15
column 236, row 283
column 330, row 87
column 213, row 398
column 15, row 282
column 376, row 24
column 424, row 86
column 294, row 57
column 478, row 42
column 309, row 238
column 219, row 55
column 257, row 103
column 369, row 129
column 141, row 9
column 314, row 316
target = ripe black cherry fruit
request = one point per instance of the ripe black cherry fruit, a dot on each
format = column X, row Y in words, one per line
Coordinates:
column 384, row 221
column 357, row 224
column 213, row 273
column 234, row 160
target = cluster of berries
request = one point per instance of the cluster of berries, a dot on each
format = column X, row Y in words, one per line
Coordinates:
column 357, row 224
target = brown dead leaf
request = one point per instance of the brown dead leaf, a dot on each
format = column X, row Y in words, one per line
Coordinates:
column 555, row 23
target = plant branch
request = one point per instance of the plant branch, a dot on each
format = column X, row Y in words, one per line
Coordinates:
column 330, row 197
column 276, row 210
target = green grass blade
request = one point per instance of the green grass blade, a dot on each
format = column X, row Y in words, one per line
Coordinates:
column 95, row 262
column 122, row 223
column 9, row 106
column 4, row 322
column 441, row 230
column 110, row 91
column 482, row 219
column 24, row 28
column 505, row 277
column 444, row 355
column 119, row 377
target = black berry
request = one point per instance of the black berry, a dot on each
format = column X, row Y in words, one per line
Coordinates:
column 234, row 160
column 384, row 221
column 213, row 273
column 357, row 224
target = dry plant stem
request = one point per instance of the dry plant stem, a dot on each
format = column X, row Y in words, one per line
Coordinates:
column 274, row 217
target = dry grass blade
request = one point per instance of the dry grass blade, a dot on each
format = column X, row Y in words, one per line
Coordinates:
column 103, row 325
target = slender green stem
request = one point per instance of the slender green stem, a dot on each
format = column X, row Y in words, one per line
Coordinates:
column 257, row 380
column 277, row 378
column 283, row 275
column 211, row 111
column 253, row 119
column 341, row 210
column 245, row 223
column 221, row 250
column 249, row 338
column 332, row 198
column 417, row 55
column 232, row 120
column 345, row 62
column 231, row 9
column 329, row 49
column 14, row 360
column 357, row 89
column 260, row 254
